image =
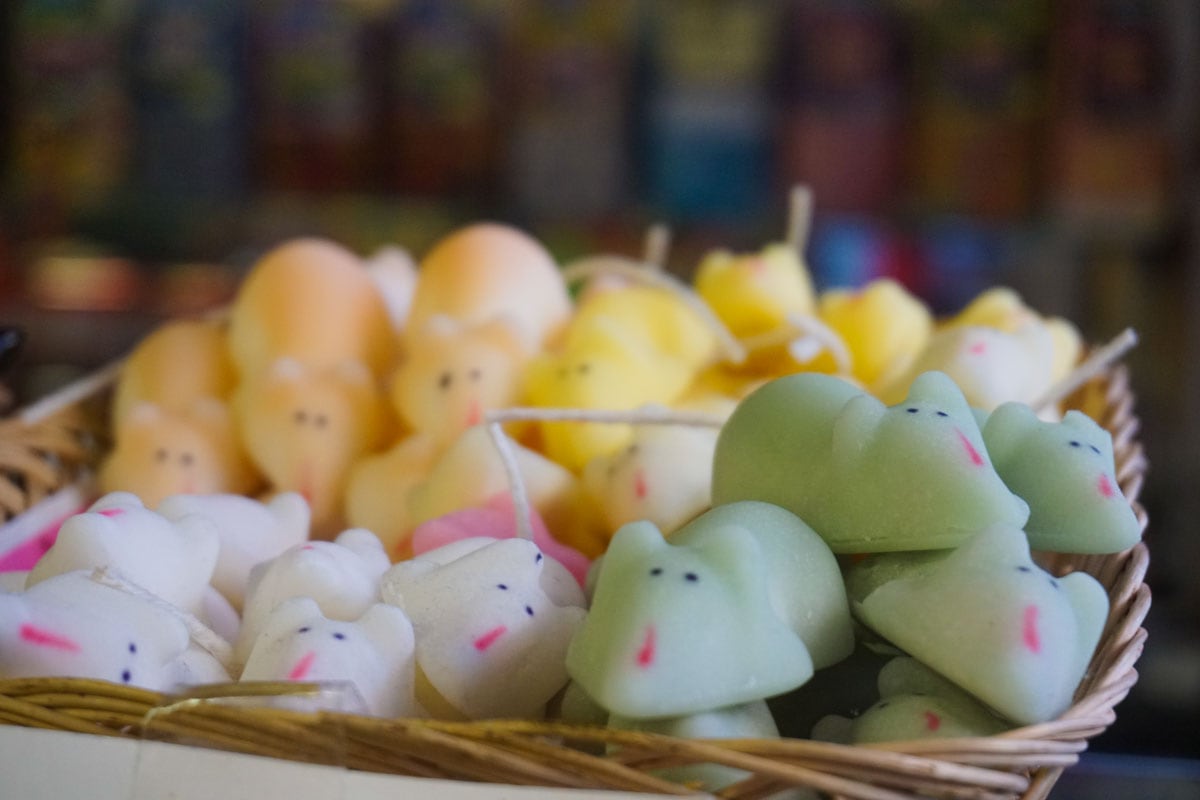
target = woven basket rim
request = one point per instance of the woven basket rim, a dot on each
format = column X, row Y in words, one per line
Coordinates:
column 60, row 444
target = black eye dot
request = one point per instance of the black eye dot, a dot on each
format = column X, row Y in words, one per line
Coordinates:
column 1075, row 443
column 529, row 610
column 133, row 647
column 942, row 414
column 503, row 586
column 633, row 450
column 1094, row 449
column 161, row 454
column 126, row 676
column 305, row 629
column 187, row 459
column 656, row 571
column 584, row 368
column 339, row 636
column 475, row 374
column 300, row 417
column 691, row 576
column 537, row 559
column 1054, row 583
column 1023, row 568
column 911, row 410
column 321, row 420
column 563, row 372
column 444, row 380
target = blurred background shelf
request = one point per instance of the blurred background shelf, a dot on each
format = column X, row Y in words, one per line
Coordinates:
column 149, row 149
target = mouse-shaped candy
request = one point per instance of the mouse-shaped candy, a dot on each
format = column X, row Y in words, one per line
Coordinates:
column 250, row 532
column 987, row 618
column 865, row 476
column 373, row 653
column 680, row 629
column 990, row 366
column 486, row 271
column 72, row 626
column 491, row 638
column 311, row 300
column 882, row 325
column 755, row 293
column 305, row 427
column 173, row 430
column 171, row 558
column 1003, row 309
column 663, row 476
column 1065, row 472
column 454, row 374
column 915, row 703
column 342, row 576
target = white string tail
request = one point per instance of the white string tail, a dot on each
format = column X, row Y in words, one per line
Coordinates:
column 582, row 270
column 805, row 336
column 658, row 244
column 516, row 483
column 71, row 394
column 200, row 633
column 1089, row 368
column 800, row 211
column 647, row 415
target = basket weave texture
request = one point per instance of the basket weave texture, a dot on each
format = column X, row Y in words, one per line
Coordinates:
column 39, row 456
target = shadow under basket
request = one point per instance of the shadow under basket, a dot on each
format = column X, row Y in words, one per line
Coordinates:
column 41, row 453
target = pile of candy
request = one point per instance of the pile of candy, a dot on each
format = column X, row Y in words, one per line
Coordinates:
column 313, row 490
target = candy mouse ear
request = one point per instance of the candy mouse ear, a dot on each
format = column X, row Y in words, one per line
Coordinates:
column 286, row 370
column 938, row 388
column 1006, row 429
column 143, row 413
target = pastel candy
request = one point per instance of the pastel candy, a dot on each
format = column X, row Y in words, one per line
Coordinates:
column 487, row 270
column 304, row 427
column 679, row 629
column 71, row 626
column 491, row 640
column 373, row 653
column 987, row 618
column 883, row 326
column 915, row 703
column 604, row 368
column 802, row 575
column 250, row 532
column 1003, row 309
column 866, row 477
column 496, row 519
column 454, row 374
column 755, row 293
column 470, row 472
column 990, row 366
column 663, row 476
column 751, row 720
column 1065, row 472
column 655, row 318
column 173, row 559
column 342, row 576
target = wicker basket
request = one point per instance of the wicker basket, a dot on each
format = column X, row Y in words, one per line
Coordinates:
column 41, row 452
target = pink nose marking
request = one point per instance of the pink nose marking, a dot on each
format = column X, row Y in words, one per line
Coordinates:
column 1105, row 486
column 645, row 654
column 111, row 512
column 757, row 265
column 972, row 453
column 302, row 667
column 44, row 638
column 932, row 721
column 1029, row 630
column 489, row 638
column 977, row 349
column 474, row 414
column 639, row 485
column 308, row 547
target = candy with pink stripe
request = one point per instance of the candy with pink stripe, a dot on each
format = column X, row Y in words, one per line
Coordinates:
column 986, row 617
column 367, row 662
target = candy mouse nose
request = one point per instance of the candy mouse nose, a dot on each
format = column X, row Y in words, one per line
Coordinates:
column 300, row 671
column 488, row 639
column 646, row 653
